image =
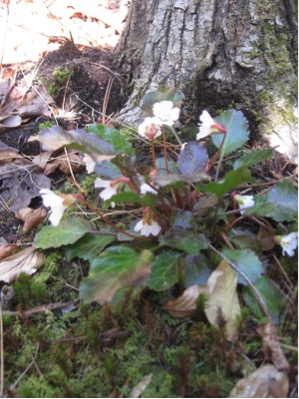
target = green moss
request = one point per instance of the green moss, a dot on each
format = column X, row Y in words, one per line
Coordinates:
column 61, row 77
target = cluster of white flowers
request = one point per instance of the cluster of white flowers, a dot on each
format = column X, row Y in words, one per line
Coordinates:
column 164, row 114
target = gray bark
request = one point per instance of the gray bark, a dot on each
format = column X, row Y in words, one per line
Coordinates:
column 219, row 53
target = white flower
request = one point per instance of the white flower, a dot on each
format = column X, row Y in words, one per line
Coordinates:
column 146, row 188
column 288, row 243
column 110, row 189
column 208, row 125
column 244, row 202
column 166, row 113
column 150, row 128
column 89, row 162
column 146, row 229
column 57, row 203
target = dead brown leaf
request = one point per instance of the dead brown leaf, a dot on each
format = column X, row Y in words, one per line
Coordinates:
column 52, row 160
column 5, row 250
column 31, row 217
column 185, row 305
column 26, row 261
column 266, row 382
column 266, row 238
column 20, row 180
column 272, row 348
column 223, row 298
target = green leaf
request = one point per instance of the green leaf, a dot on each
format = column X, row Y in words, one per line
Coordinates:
column 166, row 180
column 254, row 157
column 185, row 240
column 197, row 270
column 125, row 163
column 164, row 271
column 161, row 165
column 273, row 298
column 89, row 246
column 115, row 268
column 231, row 180
column 193, row 159
column 128, row 196
column 279, row 204
column 67, row 232
column 107, row 169
column 248, row 263
column 113, row 136
column 237, row 131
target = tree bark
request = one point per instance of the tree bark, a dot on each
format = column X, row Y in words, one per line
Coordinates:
column 219, row 54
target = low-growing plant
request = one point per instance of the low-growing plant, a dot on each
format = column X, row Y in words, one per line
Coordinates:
column 197, row 228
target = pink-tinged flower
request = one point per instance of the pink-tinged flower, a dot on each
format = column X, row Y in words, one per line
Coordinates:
column 208, row 126
column 111, row 187
column 150, row 128
column 166, row 112
column 58, row 203
column 288, row 243
column 244, row 202
column 147, row 226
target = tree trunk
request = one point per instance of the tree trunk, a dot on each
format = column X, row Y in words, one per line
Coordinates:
column 218, row 53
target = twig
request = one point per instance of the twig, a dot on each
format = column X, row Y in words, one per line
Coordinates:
column 106, row 99
column 37, row 309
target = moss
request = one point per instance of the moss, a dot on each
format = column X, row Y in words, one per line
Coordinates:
column 61, row 77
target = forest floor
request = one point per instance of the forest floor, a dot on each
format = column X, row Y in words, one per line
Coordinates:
column 57, row 68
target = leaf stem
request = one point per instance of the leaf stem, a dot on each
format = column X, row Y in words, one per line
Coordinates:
column 112, row 225
column 215, row 157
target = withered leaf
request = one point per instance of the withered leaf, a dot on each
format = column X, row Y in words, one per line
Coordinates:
column 26, row 261
column 31, row 217
column 141, row 386
column 5, row 250
column 272, row 348
column 185, row 305
column 266, row 238
column 222, row 298
column 266, row 382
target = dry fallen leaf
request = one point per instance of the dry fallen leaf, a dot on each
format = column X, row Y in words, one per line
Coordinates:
column 184, row 305
column 31, row 217
column 26, row 261
column 141, row 386
column 266, row 382
column 266, row 238
column 5, row 250
column 222, row 298
column 272, row 348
